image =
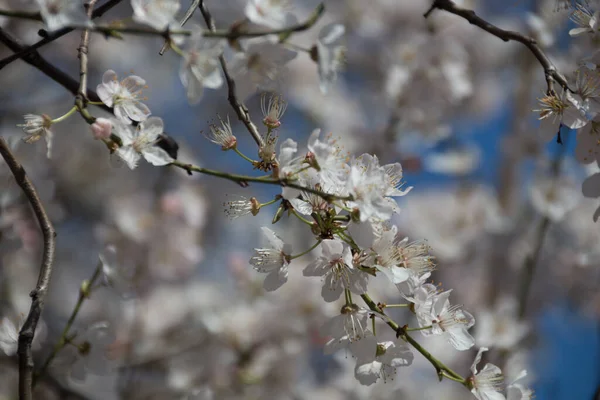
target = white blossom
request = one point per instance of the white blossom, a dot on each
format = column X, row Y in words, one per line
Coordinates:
column 327, row 156
column 487, row 384
column 58, row 14
column 36, row 127
column 500, row 327
column 272, row 260
column 271, row 13
column 123, row 96
column 586, row 21
column 200, row 66
column 330, row 54
column 336, row 266
column 140, row 142
column 9, row 337
column 560, row 109
column 349, row 326
column 375, row 360
column 159, row 14
column 368, row 183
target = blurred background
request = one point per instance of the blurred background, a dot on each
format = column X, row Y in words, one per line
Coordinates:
column 187, row 315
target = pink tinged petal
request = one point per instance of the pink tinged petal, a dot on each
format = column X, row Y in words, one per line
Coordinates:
column 101, row 128
column 591, row 186
column 275, row 279
column 157, row 156
column 368, row 373
column 129, row 155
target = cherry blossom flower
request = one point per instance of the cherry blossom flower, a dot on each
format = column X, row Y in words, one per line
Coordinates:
column 200, row 66
column 222, row 135
column 336, row 266
column 586, row 21
column 272, row 13
column 36, row 127
column 387, row 258
column 140, row 142
column 500, row 327
column 351, row 325
column 330, row 51
column 272, row 110
column 368, row 183
column 451, row 321
column 288, row 166
column 58, row 14
column 272, row 260
column 158, row 14
column 487, row 384
column 375, row 360
column 239, row 208
column 259, row 65
column 123, row 96
column 562, row 109
column 328, row 158
column 554, row 197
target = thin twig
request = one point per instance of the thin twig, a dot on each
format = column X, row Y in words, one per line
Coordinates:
column 55, row 35
column 38, row 295
column 81, row 98
column 550, row 70
column 239, row 108
column 188, row 14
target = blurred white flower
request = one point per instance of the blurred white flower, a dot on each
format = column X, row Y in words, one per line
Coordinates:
column 336, row 266
column 271, row 13
column 375, row 360
column 459, row 161
column 9, row 337
column 564, row 109
column 554, row 197
column 38, row 126
column 140, row 142
column 260, row 64
column 200, row 66
column 588, row 143
column 488, row 384
column 116, row 272
column 500, row 327
column 90, row 353
column 272, row 261
column 330, row 55
column 123, row 96
column 158, row 14
column 58, row 14
column 540, row 30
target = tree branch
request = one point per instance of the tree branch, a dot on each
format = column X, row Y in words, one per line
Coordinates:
column 38, row 295
column 55, row 35
column 239, row 108
column 550, row 70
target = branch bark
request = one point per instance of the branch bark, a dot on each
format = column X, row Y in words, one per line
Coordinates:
column 238, row 107
column 550, row 70
column 38, row 295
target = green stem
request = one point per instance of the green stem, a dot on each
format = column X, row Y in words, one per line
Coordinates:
column 418, row 329
column 437, row 364
column 306, row 251
column 397, row 305
column 245, row 157
column 301, row 218
column 268, row 203
column 67, row 115
column 64, row 339
column 243, row 180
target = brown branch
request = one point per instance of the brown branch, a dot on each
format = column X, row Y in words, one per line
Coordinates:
column 81, row 98
column 55, row 35
column 239, row 108
column 38, row 294
column 550, row 70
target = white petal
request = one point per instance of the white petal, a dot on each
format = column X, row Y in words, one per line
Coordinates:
column 157, row 156
column 275, row 279
column 129, row 155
